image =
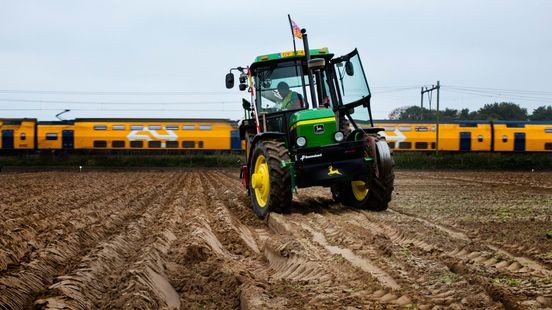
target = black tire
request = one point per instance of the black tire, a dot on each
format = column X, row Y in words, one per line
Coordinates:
column 279, row 193
column 380, row 187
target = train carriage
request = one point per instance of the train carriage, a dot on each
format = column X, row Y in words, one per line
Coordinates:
column 55, row 135
column 522, row 136
column 465, row 136
column 469, row 136
column 453, row 136
column 154, row 134
column 17, row 134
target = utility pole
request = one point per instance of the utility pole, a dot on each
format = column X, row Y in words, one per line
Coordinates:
column 430, row 91
column 422, row 98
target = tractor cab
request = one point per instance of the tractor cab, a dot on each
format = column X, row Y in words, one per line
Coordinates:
column 310, row 124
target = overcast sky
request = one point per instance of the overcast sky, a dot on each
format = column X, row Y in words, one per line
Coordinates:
column 169, row 58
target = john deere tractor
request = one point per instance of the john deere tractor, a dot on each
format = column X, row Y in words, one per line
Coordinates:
column 310, row 124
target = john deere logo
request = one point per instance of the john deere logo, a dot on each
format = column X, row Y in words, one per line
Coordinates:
column 318, row 129
column 332, row 171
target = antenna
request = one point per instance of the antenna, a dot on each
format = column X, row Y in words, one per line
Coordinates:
column 65, row 111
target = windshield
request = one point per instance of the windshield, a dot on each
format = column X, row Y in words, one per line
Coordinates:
column 280, row 87
column 353, row 86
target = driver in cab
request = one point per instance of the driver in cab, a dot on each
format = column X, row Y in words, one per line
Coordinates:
column 290, row 99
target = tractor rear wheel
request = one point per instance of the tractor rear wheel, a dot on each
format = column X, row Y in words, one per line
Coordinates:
column 375, row 192
column 270, row 184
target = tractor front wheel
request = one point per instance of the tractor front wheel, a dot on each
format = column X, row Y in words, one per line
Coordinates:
column 375, row 192
column 270, row 184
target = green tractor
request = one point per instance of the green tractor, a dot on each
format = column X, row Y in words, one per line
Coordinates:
column 310, row 124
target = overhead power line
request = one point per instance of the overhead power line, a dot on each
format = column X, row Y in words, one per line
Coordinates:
column 111, row 103
column 500, row 90
column 115, row 93
column 125, row 110
column 502, row 96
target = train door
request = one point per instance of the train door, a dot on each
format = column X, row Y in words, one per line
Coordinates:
column 235, row 142
column 465, row 141
column 7, row 139
column 519, row 142
column 67, row 139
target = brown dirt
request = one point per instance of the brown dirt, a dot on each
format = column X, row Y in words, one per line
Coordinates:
column 188, row 239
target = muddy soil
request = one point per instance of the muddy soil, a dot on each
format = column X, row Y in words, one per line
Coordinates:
column 188, row 239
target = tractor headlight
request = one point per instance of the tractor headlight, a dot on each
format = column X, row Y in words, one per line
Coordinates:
column 338, row 136
column 301, row 141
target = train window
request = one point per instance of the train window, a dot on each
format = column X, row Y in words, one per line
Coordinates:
column 548, row 146
column 420, row 145
column 200, row 144
column 468, row 124
column 100, row 127
column 504, row 138
column 118, row 143
column 515, row 125
column 171, row 127
column 205, row 127
column 188, row 144
column 136, row 127
column 391, row 144
column 51, row 136
column 405, row 128
column 421, row 128
column 172, row 144
column 548, row 130
column 136, row 144
column 188, row 127
column 154, row 143
column 23, row 136
column 100, row 143
column 154, row 127
column 389, row 128
column 432, row 145
column 118, row 127
column 405, row 145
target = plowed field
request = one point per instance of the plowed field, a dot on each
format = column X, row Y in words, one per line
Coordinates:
column 188, row 239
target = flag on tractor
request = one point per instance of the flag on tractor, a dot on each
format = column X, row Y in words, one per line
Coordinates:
column 296, row 30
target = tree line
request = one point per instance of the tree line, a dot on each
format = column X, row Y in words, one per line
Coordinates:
column 503, row 111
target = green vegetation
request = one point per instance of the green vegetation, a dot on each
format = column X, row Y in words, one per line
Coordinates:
column 507, row 281
column 473, row 160
column 218, row 160
column 403, row 160
column 504, row 111
column 542, row 113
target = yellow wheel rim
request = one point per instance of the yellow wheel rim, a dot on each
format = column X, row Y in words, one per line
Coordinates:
column 260, row 180
column 359, row 190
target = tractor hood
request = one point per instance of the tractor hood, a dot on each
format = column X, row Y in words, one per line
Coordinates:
column 317, row 126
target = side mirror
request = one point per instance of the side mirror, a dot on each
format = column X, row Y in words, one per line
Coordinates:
column 246, row 104
column 349, row 69
column 229, row 80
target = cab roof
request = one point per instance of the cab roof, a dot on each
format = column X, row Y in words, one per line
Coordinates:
column 290, row 55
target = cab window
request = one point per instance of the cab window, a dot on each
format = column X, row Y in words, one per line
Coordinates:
column 281, row 87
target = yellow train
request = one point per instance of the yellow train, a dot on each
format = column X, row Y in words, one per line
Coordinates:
column 485, row 136
column 120, row 134
column 166, row 135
